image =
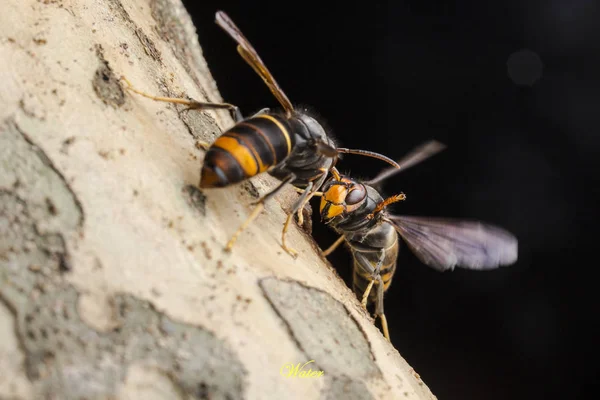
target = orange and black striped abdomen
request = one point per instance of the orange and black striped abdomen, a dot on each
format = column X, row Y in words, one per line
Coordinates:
column 247, row 149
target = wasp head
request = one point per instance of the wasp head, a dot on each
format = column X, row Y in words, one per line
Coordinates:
column 341, row 197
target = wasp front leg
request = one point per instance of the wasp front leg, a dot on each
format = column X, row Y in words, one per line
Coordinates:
column 308, row 193
column 297, row 206
column 335, row 244
column 320, row 181
column 299, row 213
column 258, row 207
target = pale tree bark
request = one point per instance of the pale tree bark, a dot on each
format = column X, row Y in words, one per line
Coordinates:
column 113, row 282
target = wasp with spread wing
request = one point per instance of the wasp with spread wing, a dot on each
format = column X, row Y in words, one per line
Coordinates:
column 291, row 145
column 357, row 211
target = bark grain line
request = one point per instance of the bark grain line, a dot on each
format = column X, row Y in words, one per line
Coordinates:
column 113, row 282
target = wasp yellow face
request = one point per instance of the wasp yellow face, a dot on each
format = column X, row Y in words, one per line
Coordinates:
column 341, row 198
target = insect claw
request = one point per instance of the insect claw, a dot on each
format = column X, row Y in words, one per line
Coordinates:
column 364, row 303
column 202, row 145
column 300, row 218
column 229, row 245
column 293, row 253
column 384, row 327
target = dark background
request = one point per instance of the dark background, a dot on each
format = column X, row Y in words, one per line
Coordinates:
column 512, row 88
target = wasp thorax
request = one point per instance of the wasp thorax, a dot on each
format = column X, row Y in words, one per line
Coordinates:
column 313, row 126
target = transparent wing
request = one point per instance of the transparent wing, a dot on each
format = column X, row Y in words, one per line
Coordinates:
column 417, row 155
column 251, row 57
column 443, row 243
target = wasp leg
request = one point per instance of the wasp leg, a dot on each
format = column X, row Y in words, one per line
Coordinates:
column 259, row 206
column 301, row 211
column 317, row 187
column 308, row 193
column 191, row 104
column 334, row 246
column 200, row 144
column 365, row 296
column 315, row 194
column 297, row 206
column 379, row 309
column 367, row 267
column 375, row 278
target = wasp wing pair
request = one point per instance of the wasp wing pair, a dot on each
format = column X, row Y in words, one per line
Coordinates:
column 251, row 57
column 445, row 243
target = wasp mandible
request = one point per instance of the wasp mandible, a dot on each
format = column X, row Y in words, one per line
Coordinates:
column 358, row 212
column 292, row 146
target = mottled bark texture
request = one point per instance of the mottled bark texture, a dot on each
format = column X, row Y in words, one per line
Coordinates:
column 113, row 282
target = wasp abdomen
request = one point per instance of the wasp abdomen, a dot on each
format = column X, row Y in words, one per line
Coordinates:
column 247, row 149
column 383, row 238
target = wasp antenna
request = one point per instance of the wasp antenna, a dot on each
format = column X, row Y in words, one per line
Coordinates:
column 371, row 154
column 413, row 158
column 385, row 203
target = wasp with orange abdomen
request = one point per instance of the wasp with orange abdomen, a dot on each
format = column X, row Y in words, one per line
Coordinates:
column 358, row 212
column 290, row 145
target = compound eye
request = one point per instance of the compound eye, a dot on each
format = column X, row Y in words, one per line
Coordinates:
column 356, row 195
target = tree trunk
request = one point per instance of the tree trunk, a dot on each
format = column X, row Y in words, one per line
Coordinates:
column 113, row 279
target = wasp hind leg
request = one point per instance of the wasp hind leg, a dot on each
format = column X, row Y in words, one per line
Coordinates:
column 191, row 104
column 375, row 273
column 379, row 309
column 258, row 207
